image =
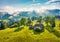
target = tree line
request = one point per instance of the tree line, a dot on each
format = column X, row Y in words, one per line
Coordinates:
column 26, row 21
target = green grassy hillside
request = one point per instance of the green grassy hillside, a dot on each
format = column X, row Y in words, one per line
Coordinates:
column 26, row 35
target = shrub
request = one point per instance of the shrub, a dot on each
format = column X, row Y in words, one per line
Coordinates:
column 53, row 25
column 56, row 33
column 47, row 19
column 29, row 22
column 39, row 19
column 52, row 22
column 31, row 27
column 14, row 25
column 19, row 29
column 50, row 29
column 37, row 29
column 2, row 26
column 23, row 21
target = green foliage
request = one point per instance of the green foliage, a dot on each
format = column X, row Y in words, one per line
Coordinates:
column 2, row 26
column 56, row 33
column 14, row 25
column 52, row 30
column 19, row 29
column 26, row 35
column 31, row 27
column 39, row 19
column 34, row 18
column 49, row 28
column 29, row 22
column 23, row 34
column 6, row 23
column 52, row 21
column 23, row 21
column 37, row 30
column 47, row 19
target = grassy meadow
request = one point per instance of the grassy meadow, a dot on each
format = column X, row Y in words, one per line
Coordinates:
column 26, row 35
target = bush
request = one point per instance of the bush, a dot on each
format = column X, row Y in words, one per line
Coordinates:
column 47, row 19
column 53, row 25
column 31, row 27
column 29, row 22
column 50, row 29
column 23, row 21
column 52, row 22
column 37, row 29
column 19, row 29
column 56, row 33
column 2, row 26
column 14, row 25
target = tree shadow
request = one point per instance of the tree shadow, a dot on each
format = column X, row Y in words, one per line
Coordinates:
column 52, row 30
column 19, row 29
column 56, row 33
column 38, row 32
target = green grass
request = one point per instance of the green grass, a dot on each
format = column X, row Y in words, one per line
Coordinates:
column 26, row 35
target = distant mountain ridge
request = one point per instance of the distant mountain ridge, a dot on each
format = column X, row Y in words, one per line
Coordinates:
column 5, row 15
column 54, row 12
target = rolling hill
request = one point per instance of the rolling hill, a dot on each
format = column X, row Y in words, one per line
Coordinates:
column 26, row 35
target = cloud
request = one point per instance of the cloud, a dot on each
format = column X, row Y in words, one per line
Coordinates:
column 11, row 17
column 9, row 9
column 51, row 2
column 12, row 9
column 37, row 7
column 43, row 9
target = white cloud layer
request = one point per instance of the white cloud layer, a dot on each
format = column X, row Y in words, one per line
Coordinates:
column 49, row 2
column 37, row 7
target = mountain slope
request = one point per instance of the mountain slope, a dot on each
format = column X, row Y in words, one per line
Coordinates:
column 26, row 35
